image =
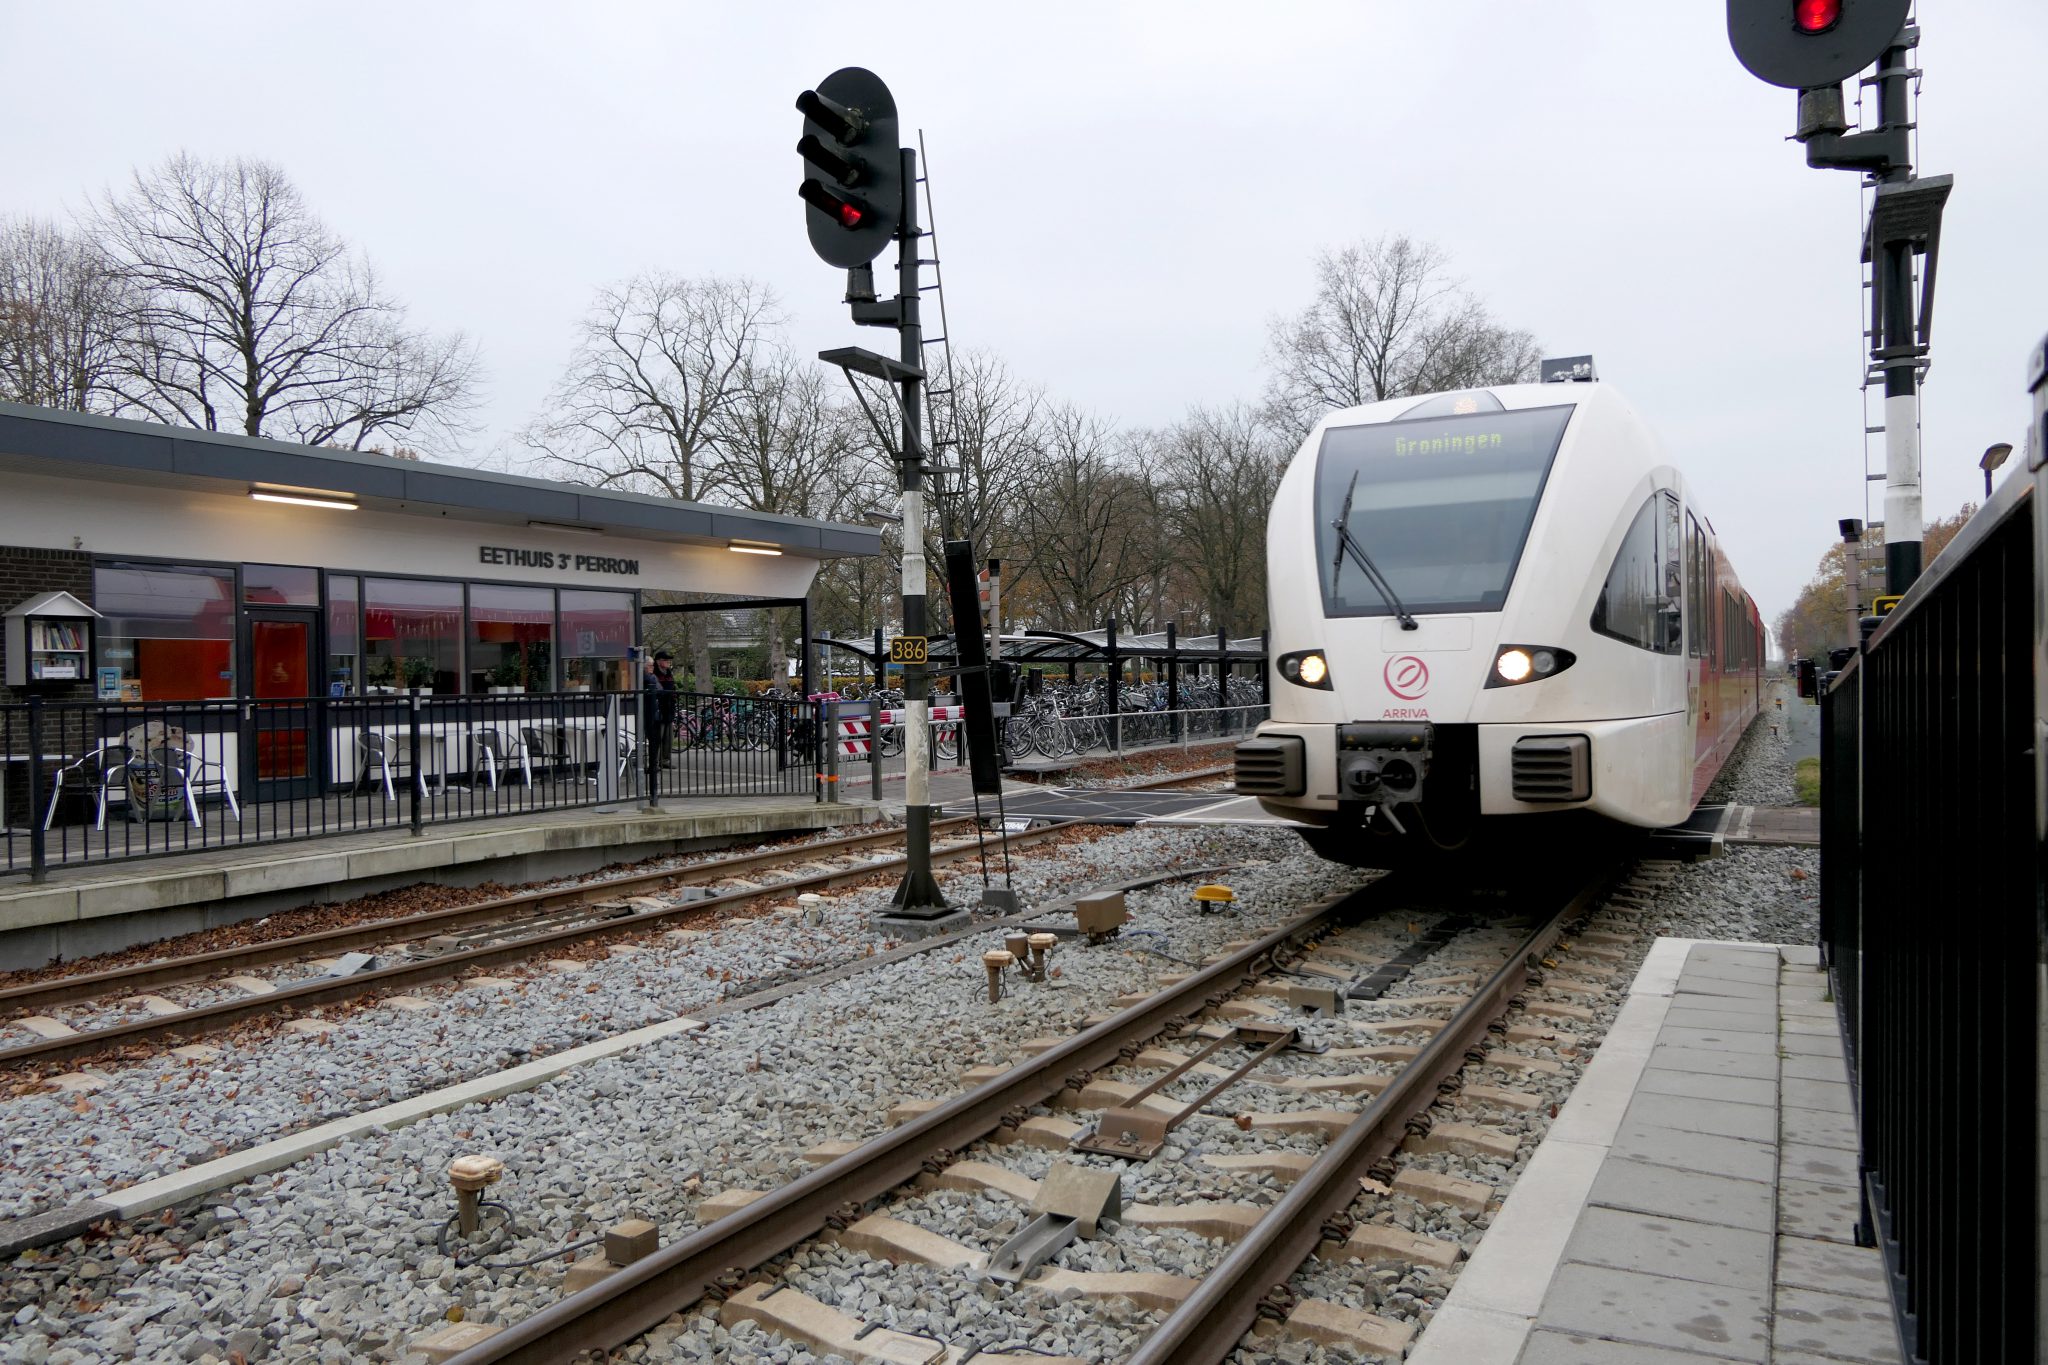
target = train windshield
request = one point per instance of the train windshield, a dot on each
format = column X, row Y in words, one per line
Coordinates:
column 1441, row 505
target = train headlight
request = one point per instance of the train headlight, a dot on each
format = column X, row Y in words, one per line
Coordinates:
column 1515, row 664
column 1306, row 668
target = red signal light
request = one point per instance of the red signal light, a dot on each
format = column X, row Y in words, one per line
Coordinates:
column 1816, row 16
column 848, row 213
column 849, row 216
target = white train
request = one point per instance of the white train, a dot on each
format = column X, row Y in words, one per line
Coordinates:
column 1495, row 613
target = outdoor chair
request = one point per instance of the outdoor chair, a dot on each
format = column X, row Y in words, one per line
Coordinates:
column 100, row 771
column 204, row 775
column 374, row 749
column 538, row 749
column 496, row 753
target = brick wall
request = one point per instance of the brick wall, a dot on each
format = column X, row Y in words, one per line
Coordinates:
column 26, row 573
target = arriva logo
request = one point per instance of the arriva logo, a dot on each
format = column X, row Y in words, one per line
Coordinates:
column 1407, row 677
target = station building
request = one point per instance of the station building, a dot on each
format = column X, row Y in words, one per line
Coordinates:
column 153, row 564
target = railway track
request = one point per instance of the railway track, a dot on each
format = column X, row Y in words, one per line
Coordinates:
column 447, row 943
column 1203, row 1321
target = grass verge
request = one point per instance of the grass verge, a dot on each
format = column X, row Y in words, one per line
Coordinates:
column 1806, row 781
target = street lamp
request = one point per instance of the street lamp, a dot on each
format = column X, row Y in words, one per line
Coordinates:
column 1852, row 578
column 1993, row 457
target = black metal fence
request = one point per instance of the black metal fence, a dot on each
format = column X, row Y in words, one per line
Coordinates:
column 1931, row 920
column 93, row 781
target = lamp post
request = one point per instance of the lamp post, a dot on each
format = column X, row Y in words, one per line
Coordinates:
column 1992, row 458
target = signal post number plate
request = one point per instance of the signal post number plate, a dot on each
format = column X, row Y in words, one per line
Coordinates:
column 909, row 649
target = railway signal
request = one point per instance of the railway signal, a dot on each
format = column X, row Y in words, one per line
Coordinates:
column 1801, row 44
column 1812, row 46
column 853, row 176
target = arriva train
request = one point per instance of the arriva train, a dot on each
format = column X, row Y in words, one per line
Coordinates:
column 1499, row 617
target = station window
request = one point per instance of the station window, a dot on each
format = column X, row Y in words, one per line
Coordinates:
column 169, row 628
column 344, row 635
column 412, row 635
column 511, row 638
column 597, row 632
column 1640, row 601
column 280, row 585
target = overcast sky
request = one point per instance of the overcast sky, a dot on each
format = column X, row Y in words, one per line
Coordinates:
column 1127, row 193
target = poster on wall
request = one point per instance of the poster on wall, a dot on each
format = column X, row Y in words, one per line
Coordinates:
column 107, row 684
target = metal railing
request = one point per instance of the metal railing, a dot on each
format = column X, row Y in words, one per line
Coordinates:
column 90, row 782
column 1931, row 901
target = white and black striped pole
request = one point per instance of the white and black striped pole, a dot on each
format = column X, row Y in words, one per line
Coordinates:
column 918, row 894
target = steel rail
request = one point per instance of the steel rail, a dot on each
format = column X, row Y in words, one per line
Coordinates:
column 39, row 995
column 642, row 1295
column 1211, row 1322
column 204, row 1019
column 197, row 966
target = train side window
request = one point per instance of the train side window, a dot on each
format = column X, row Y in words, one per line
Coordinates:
column 1640, row 603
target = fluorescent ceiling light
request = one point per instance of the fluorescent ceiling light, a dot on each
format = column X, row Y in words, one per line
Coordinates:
column 304, row 497
column 752, row 547
column 565, row 526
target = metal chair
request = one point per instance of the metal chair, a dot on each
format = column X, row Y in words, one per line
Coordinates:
column 101, row 770
column 204, row 775
column 495, row 752
column 537, row 748
column 373, row 746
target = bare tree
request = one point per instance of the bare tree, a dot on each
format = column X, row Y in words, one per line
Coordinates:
column 61, row 314
column 782, row 445
column 659, row 375
column 246, row 313
column 1388, row 319
column 1081, row 526
column 1219, row 469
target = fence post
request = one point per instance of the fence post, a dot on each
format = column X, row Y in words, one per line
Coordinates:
column 1116, row 687
column 38, row 837
column 652, row 730
column 1179, row 732
column 418, row 787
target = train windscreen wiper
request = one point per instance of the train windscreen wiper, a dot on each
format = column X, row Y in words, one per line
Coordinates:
column 1348, row 544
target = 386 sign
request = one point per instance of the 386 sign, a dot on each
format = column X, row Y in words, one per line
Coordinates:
column 909, row 649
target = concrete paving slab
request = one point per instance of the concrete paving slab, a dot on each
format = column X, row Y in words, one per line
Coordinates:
column 1804, row 1068
column 1716, row 974
column 1679, row 1315
column 1813, row 1044
column 1832, row 1268
column 1746, row 954
column 1463, row 1335
column 1828, row 1165
column 1569, row 1348
column 1708, row 1252
column 1689, row 1015
column 1836, row 1325
column 1817, row 1128
column 1661, row 967
column 1717, row 1040
column 1796, row 1023
column 1723, row 988
column 1689, row 1151
column 1639, row 1187
column 1698, row 1085
column 1799, row 954
column 1829, row 1096
column 1813, row 1208
column 1716, row 1063
column 1600, row 1100
column 1751, row 1122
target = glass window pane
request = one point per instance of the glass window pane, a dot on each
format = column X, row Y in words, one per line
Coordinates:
column 273, row 585
column 412, row 635
column 511, row 638
column 597, row 632
column 1441, row 505
column 344, row 631
column 1639, row 603
column 169, row 628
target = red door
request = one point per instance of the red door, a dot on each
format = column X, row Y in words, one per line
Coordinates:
column 281, row 683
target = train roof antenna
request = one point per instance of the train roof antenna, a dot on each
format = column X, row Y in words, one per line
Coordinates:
column 1348, row 544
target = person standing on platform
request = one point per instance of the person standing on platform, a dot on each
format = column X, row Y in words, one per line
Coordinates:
column 660, row 683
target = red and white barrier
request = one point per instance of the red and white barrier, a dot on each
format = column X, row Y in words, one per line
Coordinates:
column 853, row 736
column 934, row 714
